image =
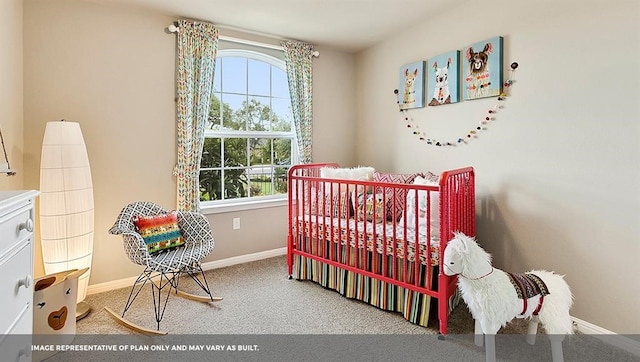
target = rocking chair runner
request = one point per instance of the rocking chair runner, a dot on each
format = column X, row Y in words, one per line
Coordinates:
column 168, row 265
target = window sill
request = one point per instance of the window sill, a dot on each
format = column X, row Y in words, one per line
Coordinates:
column 242, row 206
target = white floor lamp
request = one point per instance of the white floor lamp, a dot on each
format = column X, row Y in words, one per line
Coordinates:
column 66, row 204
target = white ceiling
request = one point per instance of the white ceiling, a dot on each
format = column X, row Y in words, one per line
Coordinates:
column 349, row 25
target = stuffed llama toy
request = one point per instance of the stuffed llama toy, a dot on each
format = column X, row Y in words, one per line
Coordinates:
column 495, row 297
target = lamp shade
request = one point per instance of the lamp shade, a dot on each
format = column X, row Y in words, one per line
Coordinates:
column 66, row 202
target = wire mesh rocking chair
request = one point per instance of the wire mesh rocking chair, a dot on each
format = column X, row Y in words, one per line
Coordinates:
column 167, row 266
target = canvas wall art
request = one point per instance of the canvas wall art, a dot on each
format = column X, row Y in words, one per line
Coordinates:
column 411, row 91
column 482, row 69
column 442, row 79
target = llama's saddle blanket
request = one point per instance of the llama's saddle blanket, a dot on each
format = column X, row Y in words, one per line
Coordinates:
column 528, row 285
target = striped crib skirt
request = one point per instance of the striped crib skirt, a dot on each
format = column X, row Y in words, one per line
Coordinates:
column 414, row 306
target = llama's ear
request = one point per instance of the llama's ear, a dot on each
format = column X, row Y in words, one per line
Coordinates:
column 463, row 244
column 488, row 48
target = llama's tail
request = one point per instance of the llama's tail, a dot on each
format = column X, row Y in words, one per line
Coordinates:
column 554, row 314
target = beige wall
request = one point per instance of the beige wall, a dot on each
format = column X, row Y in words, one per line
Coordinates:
column 334, row 113
column 11, row 90
column 113, row 70
column 545, row 195
column 558, row 170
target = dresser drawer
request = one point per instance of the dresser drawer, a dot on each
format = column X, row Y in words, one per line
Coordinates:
column 14, row 227
column 24, row 324
column 16, row 347
column 15, row 268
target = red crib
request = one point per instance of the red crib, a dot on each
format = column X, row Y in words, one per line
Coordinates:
column 379, row 242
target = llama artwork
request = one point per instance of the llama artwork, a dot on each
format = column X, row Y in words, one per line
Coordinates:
column 412, row 86
column 442, row 83
column 483, row 74
column 409, row 86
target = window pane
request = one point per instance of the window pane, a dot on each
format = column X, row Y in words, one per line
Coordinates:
column 260, row 151
column 216, row 75
column 260, row 186
column 282, row 151
column 260, row 177
column 235, row 152
column 214, row 112
column 210, row 185
column 258, row 113
column 260, row 171
column 280, row 175
column 282, row 115
column 235, row 183
column 259, row 78
column 279, row 85
column 234, row 75
column 211, row 153
column 236, row 119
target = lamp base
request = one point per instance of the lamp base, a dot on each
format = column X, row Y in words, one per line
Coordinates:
column 82, row 310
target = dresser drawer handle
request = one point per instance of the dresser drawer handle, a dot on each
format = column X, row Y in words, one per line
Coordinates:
column 24, row 282
column 27, row 225
column 25, row 352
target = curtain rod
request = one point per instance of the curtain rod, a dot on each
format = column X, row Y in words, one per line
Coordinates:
column 174, row 29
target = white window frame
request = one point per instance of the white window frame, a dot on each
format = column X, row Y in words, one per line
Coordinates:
column 250, row 203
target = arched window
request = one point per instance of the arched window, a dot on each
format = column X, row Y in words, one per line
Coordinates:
column 250, row 140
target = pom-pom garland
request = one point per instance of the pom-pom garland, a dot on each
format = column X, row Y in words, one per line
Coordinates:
column 472, row 133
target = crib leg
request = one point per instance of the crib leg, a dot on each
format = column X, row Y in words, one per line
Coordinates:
column 290, row 254
column 532, row 330
column 479, row 336
column 556, row 347
column 490, row 347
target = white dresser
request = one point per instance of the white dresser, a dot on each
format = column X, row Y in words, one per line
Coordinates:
column 17, row 222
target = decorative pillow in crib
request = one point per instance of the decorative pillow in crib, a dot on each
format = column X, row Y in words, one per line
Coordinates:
column 316, row 202
column 394, row 206
column 160, row 232
column 334, row 205
column 361, row 173
column 421, row 201
column 370, row 207
column 339, row 193
column 431, row 177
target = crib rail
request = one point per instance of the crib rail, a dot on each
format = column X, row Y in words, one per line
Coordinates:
column 365, row 227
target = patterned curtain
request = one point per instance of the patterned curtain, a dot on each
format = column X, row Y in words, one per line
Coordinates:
column 298, row 57
column 197, row 47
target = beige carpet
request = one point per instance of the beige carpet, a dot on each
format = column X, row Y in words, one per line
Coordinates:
column 260, row 300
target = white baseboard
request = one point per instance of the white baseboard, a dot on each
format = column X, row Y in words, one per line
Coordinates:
column 244, row 259
column 607, row 336
column 128, row 282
